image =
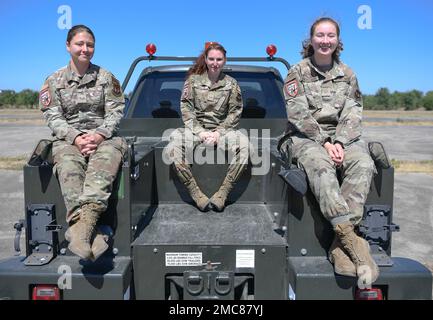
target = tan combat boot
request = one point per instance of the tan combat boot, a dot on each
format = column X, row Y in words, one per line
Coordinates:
column 99, row 244
column 218, row 200
column 184, row 174
column 200, row 199
column 341, row 261
column 80, row 233
column 359, row 252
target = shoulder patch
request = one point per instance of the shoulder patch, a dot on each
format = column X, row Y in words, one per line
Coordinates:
column 186, row 90
column 291, row 88
column 117, row 91
column 238, row 93
column 45, row 96
column 358, row 94
column 355, row 93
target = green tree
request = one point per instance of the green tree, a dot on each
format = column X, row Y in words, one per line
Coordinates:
column 412, row 99
column 7, row 97
column 396, row 100
column 27, row 97
column 370, row 102
column 383, row 98
column 427, row 101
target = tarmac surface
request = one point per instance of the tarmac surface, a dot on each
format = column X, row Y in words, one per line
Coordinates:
column 400, row 142
column 413, row 201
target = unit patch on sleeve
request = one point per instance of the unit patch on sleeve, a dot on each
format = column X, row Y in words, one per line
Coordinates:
column 45, row 97
column 117, row 92
column 186, row 89
column 291, row 88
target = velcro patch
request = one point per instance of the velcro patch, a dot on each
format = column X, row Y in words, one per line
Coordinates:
column 185, row 92
column 291, row 88
column 238, row 94
column 45, row 97
column 358, row 94
column 117, row 92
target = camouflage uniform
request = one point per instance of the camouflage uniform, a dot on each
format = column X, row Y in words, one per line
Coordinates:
column 74, row 105
column 321, row 107
column 207, row 107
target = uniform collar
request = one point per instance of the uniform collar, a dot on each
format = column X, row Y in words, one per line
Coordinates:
column 88, row 77
column 204, row 79
column 335, row 72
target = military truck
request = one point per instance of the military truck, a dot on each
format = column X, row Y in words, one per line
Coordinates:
column 270, row 242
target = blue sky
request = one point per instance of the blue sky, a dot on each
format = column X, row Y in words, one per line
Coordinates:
column 395, row 52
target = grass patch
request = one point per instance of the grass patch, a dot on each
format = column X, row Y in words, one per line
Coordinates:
column 23, row 121
column 12, row 163
column 398, row 122
column 397, row 114
column 425, row 166
column 19, row 111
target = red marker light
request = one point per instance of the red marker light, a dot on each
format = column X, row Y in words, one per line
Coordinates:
column 369, row 294
column 271, row 50
column 46, row 292
column 151, row 49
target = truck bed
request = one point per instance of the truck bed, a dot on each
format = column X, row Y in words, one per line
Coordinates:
column 238, row 224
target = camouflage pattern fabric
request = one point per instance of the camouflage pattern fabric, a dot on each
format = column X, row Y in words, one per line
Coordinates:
column 180, row 151
column 87, row 180
column 207, row 107
column 325, row 107
column 73, row 105
column 216, row 107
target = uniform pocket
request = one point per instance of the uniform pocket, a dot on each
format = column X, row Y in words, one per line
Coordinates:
column 313, row 93
column 339, row 91
column 69, row 105
column 200, row 97
column 96, row 99
column 221, row 98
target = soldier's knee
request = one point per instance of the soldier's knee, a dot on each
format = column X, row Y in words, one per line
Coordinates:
column 69, row 160
column 316, row 160
column 365, row 163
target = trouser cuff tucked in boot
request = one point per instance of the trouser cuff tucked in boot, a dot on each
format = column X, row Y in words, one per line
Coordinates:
column 341, row 219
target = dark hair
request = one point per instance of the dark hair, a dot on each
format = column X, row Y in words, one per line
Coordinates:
column 307, row 47
column 77, row 29
column 199, row 66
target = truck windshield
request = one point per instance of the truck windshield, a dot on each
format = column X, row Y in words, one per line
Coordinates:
column 158, row 95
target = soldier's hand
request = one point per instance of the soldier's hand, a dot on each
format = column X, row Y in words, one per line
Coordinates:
column 333, row 153
column 204, row 135
column 213, row 138
column 340, row 154
column 95, row 138
column 89, row 149
column 216, row 135
column 81, row 141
